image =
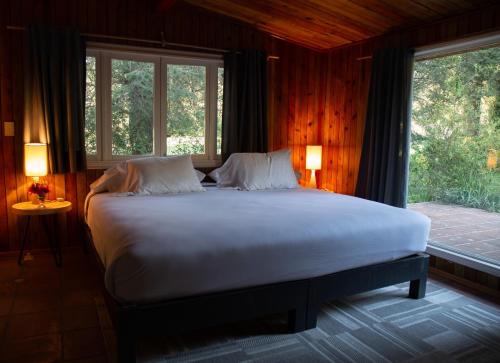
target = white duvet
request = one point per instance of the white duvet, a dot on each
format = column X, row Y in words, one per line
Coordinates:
column 169, row 246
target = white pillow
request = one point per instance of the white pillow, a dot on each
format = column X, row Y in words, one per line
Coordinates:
column 200, row 175
column 161, row 175
column 255, row 171
column 111, row 180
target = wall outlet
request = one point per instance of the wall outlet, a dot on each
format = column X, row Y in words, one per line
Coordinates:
column 8, row 129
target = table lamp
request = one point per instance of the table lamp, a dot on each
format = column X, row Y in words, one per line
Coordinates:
column 35, row 160
column 313, row 163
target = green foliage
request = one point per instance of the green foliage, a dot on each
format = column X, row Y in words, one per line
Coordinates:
column 132, row 102
column 455, row 121
column 90, row 107
column 132, row 86
column 185, row 109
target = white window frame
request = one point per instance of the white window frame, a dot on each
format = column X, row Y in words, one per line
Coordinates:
column 104, row 53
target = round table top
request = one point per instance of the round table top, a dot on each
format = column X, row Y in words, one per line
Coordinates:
column 50, row 207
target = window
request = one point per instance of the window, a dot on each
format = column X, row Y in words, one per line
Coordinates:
column 141, row 102
column 185, row 109
column 454, row 174
column 132, row 98
column 90, row 108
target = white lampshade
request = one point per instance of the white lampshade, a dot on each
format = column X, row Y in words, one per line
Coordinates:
column 313, row 157
column 35, row 159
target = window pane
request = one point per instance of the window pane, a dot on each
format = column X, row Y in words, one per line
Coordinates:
column 454, row 170
column 132, row 88
column 90, row 108
column 220, row 89
column 185, row 109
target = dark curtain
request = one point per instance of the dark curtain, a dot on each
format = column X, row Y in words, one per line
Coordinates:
column 383, row 170
column 244, row 112
column 54, row 96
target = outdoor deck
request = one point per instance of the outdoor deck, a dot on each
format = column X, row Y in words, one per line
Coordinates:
column 468, row 230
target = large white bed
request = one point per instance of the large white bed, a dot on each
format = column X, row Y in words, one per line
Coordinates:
column 162, row 247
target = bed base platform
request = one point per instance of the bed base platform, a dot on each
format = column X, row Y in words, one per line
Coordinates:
column 301, row 299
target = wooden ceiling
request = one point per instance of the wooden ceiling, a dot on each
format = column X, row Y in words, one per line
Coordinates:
column 325, row 24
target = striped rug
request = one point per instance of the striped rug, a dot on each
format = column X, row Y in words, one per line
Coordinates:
column 380, row 326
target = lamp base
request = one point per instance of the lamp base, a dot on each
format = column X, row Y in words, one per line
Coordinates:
column 312, row 181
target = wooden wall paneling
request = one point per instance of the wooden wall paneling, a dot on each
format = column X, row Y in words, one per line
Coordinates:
column 353, row 145
column 326, row 122
column 4, row 226
column 72, row 216
column 81, row 193
column 329, row 123
column 51, row 181
column 292, row 96
column 298, row 114
column 322, row 25
column 346, row 148
column 309, row 137
column 341, row 122
column 17, row 109
column 284, row 97
column 97, row 17
column 81, row 14
column 320, row 112
column 8, row 142
column 337, row 91
column 59, row 185
column 334, row 63
column 313, row 97
column 301, row 128
column 120, row 14
column 272, row 101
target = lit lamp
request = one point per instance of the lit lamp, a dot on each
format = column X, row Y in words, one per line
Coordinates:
column 313, row 162
column 35, row 166
column 35, row 160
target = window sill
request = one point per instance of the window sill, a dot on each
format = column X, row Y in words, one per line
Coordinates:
column 463, row 259
column 197, row 163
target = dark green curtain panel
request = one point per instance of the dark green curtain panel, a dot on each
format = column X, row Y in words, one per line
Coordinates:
column 383, row 170
column 244, row 111
column 54, row 96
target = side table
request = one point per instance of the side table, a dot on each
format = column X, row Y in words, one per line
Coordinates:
column 28, row 210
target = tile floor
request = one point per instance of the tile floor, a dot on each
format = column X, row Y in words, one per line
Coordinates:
column 469, row 230
column 49, row 314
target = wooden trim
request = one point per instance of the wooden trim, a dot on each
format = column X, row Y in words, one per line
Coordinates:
column 465, row 282
column 163, row 43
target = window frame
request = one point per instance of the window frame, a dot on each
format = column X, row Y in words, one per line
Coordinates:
column 446, row 49
column 104, row 53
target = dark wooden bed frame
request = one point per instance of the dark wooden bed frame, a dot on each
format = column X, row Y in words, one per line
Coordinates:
column 301, row 299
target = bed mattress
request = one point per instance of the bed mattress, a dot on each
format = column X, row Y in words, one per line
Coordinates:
column 170, row 246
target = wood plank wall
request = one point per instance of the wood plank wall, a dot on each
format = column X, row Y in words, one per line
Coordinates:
column 313, row 98
column 341, row 123
column 130, row 18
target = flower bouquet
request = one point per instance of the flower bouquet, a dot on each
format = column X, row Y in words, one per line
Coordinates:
column 40, row 190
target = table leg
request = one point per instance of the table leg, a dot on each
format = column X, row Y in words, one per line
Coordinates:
column 53, row 237
column 23, row 242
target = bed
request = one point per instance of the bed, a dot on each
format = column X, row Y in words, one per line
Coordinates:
column 176, row 262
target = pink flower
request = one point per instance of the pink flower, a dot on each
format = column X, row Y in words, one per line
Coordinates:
column 38, row 188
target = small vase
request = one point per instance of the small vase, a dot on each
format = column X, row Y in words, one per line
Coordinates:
column 41, row 200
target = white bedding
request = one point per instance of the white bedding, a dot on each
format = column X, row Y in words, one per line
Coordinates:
column 168, row 246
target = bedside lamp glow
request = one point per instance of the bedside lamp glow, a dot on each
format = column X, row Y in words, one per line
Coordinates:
column 313, row 162
column 35, row 160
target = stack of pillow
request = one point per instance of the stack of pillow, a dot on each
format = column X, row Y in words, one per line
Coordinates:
column 176, row 174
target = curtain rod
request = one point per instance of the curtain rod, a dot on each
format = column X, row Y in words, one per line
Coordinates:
column 364, row 58
column 163, row 43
